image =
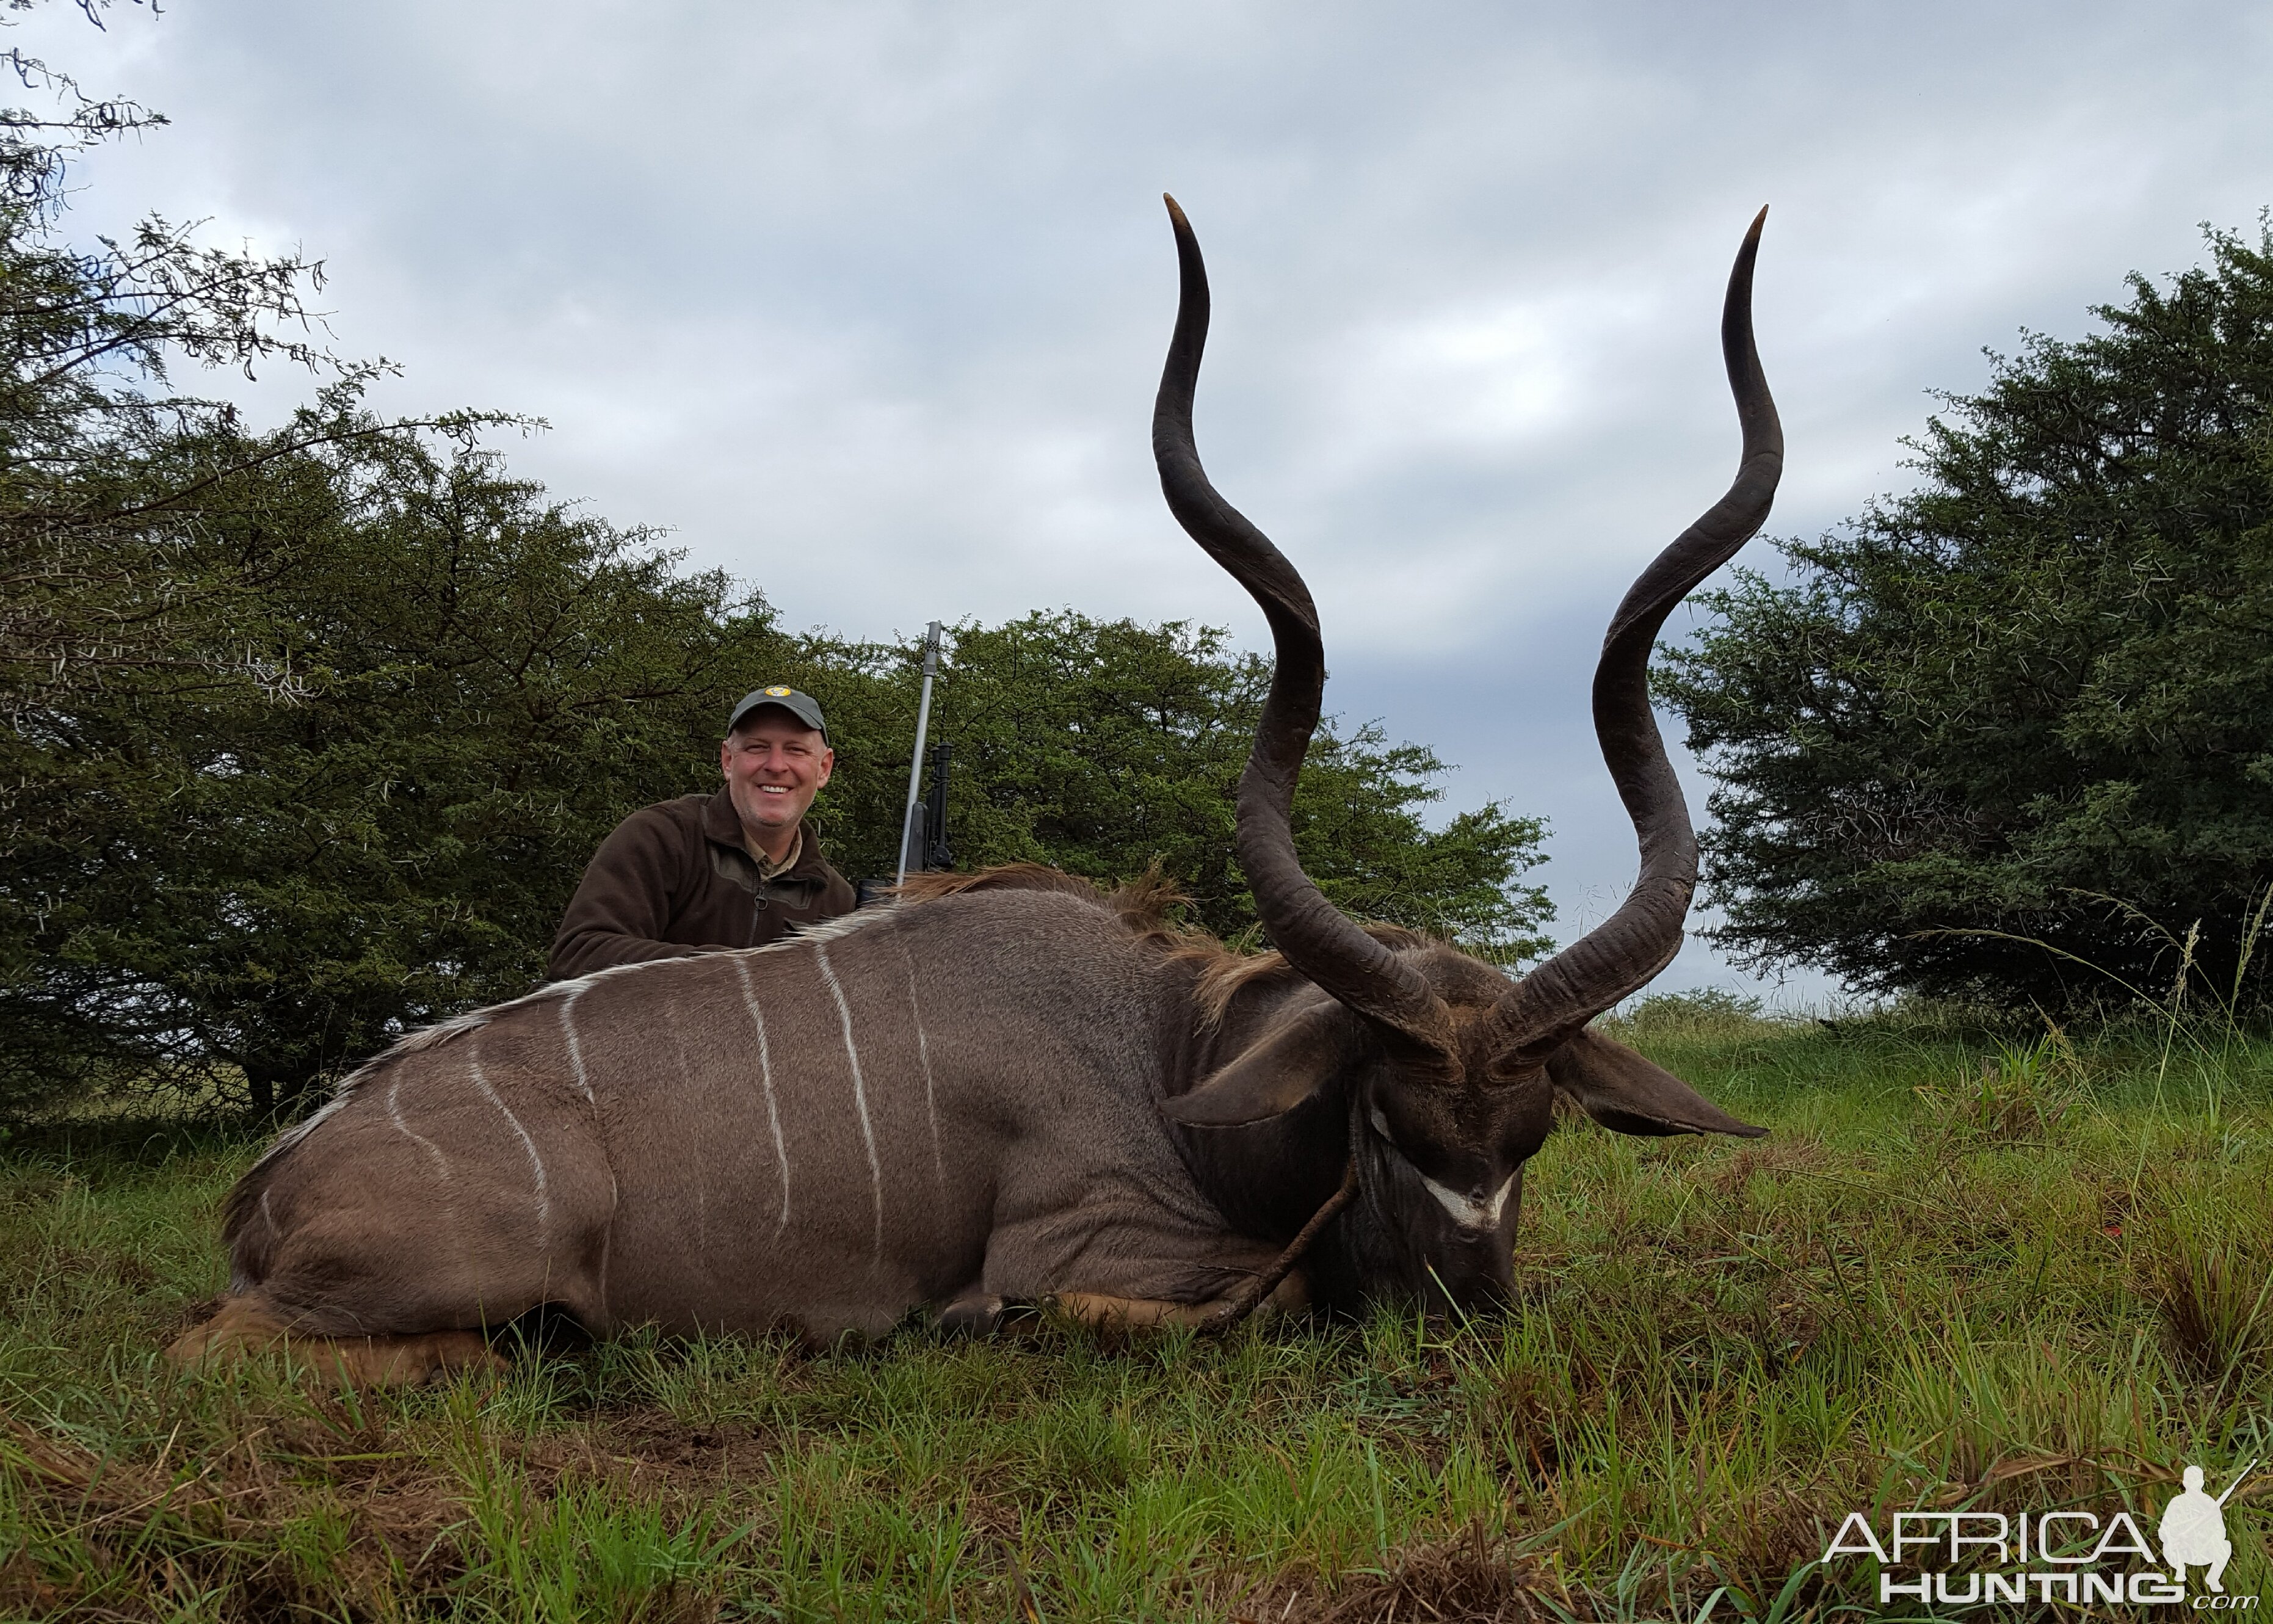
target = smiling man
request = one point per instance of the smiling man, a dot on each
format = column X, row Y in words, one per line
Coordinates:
column 735, row 868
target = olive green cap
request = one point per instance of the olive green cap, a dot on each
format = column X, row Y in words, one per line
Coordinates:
column 802, row 706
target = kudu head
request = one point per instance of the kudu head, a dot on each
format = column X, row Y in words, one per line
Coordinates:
column 1448, row 1070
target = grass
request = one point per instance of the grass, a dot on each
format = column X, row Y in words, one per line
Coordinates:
column 1959, row 1274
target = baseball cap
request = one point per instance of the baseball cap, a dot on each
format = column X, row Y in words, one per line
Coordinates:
column 799, row 705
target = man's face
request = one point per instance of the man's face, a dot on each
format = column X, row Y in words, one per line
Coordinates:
column 773, row 765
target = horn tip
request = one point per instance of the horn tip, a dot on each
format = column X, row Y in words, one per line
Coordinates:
column 1176, row 209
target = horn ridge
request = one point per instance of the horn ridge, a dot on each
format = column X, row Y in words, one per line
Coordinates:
column 1627, row 949
column 1315, row 936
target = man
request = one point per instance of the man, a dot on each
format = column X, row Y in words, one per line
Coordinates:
column 735, row 869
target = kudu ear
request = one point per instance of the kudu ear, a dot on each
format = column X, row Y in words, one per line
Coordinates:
column 1284, row 1066
column 1629, row 1095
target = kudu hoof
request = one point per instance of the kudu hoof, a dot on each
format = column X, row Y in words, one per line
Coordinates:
column 979, row 1315
column 971, row 1316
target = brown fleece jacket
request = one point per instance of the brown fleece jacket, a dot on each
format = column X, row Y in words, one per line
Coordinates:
column 675, row 880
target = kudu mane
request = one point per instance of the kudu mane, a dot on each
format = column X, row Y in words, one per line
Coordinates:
column 1146, row 906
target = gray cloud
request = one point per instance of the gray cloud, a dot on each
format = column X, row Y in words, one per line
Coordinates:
column 865, row 301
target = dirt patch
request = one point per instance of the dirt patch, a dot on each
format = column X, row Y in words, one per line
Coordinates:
column 23, row 1592
column 1772, row 1158
column 1478, row 1578
column 1470, row 1579
column 157, row 1533
column 996, row 1523
column 194, row 1314
column 648, row 1455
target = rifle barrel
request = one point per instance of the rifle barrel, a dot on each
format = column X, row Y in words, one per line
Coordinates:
column 915, row 763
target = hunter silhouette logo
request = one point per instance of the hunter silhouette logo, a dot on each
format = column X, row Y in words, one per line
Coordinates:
column 1961, row 1559
column 2193, row 1529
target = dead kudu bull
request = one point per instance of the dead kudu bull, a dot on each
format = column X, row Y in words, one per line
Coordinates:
column 1004, row 1089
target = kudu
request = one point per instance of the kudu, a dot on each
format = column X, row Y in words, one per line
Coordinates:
column 1008, row 1088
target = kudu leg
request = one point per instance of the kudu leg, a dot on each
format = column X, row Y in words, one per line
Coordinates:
column 979, row 1314
column 247, row 1326
column 1101, row 1312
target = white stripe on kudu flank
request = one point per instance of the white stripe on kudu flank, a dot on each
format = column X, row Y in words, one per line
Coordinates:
column 860, row 1097
column 766, row 1077
column 535, row 1162
column 576, row 1049
column 923, row 1055
column 394, row 1114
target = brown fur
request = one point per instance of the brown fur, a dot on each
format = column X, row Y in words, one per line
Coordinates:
column 1147, row 906
column 461, row 1180
column 244, row 1327
column 1001, row 877
column 1225, row 974
column 1144, row 908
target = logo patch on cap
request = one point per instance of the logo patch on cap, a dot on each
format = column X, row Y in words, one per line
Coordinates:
column 778, row 693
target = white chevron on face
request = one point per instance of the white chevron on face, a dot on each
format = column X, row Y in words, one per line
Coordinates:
column 1468, row 1212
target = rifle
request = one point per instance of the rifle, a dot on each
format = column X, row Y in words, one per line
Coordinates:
column 936, row 854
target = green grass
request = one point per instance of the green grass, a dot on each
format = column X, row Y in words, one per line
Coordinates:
column 1959, row 1274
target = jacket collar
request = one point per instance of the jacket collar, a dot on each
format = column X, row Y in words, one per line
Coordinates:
column 722, row 825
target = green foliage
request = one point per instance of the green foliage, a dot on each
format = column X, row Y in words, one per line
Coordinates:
column 1698, row 1009
column 105, row 576
column 311, row 731
column 118, row 598
column 2030, row 698
column 1108, row 747
column 483, row 683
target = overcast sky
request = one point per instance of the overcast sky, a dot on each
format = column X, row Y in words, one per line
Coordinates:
column 865, row 302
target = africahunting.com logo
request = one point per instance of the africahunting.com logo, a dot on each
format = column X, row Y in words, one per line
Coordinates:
column 1975, row 1558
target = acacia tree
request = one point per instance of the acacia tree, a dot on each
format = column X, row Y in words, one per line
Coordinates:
column 114, row 589
column 486, row 681
column 310, row 732
column 2027, row 702
column 105, row 468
